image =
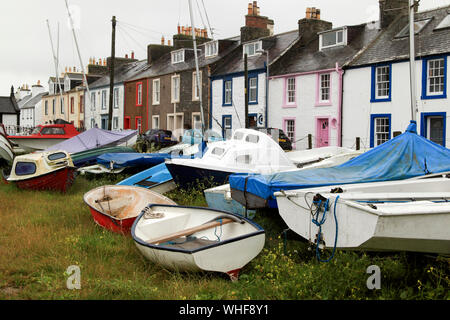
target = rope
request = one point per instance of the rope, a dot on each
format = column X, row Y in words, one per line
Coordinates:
column 221, row 231
column 318, row 223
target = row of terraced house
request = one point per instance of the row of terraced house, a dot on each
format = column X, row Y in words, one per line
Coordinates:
column 333, row 83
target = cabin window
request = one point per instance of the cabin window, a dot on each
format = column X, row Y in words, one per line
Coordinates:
column 218, row 151
column 53, row 131
column 57, row 156
column 244, row 159
column 25, row 168
column 238, row 136
column 252, row 138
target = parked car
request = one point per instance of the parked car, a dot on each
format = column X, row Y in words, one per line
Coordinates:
column 158, row 137
column 277, row 134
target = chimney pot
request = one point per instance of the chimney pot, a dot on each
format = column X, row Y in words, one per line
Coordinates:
column 163, row 41
column 179, row 29
column 169, row 43
column 250, row 9
column 132, row 54
column 126, row 56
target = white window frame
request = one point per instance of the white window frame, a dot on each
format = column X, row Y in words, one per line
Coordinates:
column 291, row 90
column 175, row 92
column 441, row 76
column 93, row 98
column 115, row 123
column 211, row 49
column 156, row 92
column 228, row 94
column 253, row 88
column 322, row 87
column 337, row 43
column 103, row 101
column 380, row 140
column 288, row 123
column 380, row 84
column 195, row 92
column 252, row 49
column 116, row 97
column 140, row 88
column 178, row 56
column 154, row 125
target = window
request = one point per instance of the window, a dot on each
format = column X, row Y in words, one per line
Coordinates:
column 155, row 122
column 290, row 91
column 178, row 56
column 156, row 91
column 228, row 93
column 139, row 94
column 175, row 89
column 53, row 106
column 52, row 131
column 418, row 27
column 444, row 23
column 92, row 123
column 115, row 123
column 244, row 159
column 46, row 108
column 218, row 151
column 333, row 38
column 289, row 128
column 62, row 105
column 252, row 138
column 57, row 156
column 116, row 98
column 325, row 87
column 227, row 126
column 251, row 49
column 381, row 83
column 93, row 100
column 211, row 49
column 433, row 127
column 139, row 124
column 434, row 78
column 195, row 89
column 253, row 90
column 72, row 105
column 81, row 104
column 380, row 129
column 25, row 168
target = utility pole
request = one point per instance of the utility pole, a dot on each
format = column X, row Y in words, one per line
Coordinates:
column 111, row 73
column 412, row 60
column 246, row 89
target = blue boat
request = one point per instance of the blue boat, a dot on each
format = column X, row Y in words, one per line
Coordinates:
column 219, row 198
column 157, row 179
column 138, row 161
column 406, row 156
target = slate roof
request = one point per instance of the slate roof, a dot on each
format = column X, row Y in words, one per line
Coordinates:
column 121, row 74
column 31, row 103
column 276, row 45
column 8, row 105
column 389, row 47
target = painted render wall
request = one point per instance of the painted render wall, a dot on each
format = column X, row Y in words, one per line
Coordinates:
column 97, row 114
column 357, row 108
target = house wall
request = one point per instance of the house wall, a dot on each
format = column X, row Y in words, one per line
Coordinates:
column 51, row 116
column 99, row 112
column 131, row 110
column 358, row 108
column 237, row 109
column 307, row 109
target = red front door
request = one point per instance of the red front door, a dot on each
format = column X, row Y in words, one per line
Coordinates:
column 127, row 124
column 323, row 133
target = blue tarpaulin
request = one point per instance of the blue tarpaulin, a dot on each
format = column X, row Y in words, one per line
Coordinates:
column 406, row 156
column 132, row 160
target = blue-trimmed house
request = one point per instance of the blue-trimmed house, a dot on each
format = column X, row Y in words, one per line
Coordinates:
column 376, row 95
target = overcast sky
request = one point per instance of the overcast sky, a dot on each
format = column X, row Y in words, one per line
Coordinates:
column 26, row 54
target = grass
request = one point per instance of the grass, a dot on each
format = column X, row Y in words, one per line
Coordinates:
column 43, row 233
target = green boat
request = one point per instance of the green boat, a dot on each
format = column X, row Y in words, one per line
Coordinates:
column 89, row 157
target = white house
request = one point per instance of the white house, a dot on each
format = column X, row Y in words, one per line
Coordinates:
column 376, row 100
column 31, row 107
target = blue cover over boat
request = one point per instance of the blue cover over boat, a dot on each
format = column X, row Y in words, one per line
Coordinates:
column 132, row 160
column 406, row 156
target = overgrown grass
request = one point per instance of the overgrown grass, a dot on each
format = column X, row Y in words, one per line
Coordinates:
column 43, row 233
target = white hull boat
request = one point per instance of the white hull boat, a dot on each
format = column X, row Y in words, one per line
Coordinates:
column 190, row 239
column 409, row 215
column 322, row 157
column 6, row 152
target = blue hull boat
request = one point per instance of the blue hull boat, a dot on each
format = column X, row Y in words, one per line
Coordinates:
column 157, row 179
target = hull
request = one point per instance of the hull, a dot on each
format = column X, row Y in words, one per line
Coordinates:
column 187, row 177
column 6, row 152
column 239, row 242
column 219, row 198
column 37, row 143
column 86, row 158
column 157, row 179
column 386, row 221
column 58, row 180
column 115, row 208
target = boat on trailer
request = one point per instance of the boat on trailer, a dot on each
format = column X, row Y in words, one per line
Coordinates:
column 191, row 239
column 43, row 171
column 409, row 215
column 116, row 207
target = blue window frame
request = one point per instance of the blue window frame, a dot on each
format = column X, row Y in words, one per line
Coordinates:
column 227, row 126
column 381, row 88
column 434, row 78
column 380, row 129
column 253, row 90
column 433, row 126
column 227, row 92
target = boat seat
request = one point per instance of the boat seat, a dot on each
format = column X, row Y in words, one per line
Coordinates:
column 189, row 243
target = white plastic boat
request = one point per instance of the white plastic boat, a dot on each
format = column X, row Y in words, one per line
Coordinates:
column 322, row 157
column 197, row 239
column 408, row 215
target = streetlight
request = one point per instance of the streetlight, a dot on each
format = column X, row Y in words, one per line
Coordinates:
column 266, row 52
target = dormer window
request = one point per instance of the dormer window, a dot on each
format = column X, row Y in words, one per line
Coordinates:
column 333, row 38
column 418, row 27
column 178, row 56
column 211, row 49
column 251, row 49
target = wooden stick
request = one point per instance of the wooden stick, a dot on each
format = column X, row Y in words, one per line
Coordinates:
column 189, row 231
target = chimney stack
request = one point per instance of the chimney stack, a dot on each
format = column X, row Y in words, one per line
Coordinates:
column 256, row 26
column 311, row 25
column 388, row 15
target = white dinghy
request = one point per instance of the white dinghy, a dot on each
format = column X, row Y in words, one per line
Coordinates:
column 409, row 215
column 197, row 239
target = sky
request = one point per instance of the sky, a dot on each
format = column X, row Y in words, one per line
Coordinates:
column 26, row 51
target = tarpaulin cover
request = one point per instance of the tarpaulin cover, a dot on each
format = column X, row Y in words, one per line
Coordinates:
column 93, row 138
column 406, row 156
column 158, row 174
column 132, row 160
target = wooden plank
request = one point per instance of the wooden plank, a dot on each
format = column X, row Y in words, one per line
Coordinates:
column 189, row 231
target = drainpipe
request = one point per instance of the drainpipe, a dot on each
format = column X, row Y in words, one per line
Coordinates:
column 340, row 72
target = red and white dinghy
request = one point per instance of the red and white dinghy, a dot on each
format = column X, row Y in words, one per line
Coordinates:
column 116, row 207
column 43, row 171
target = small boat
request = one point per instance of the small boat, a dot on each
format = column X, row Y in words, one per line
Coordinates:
column 89, row 157
column 116, row 207
column 45, row 136
column 158, row 179
column 409, row 215
column 318, row 157
column 219, row 198
column 191, row 239
column 43, row 171
column 6, row 153
column 249, row 151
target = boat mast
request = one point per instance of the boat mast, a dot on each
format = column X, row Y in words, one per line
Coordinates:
column 86, row 99
column 412, row 56
column 56, row 61
column 199, row 87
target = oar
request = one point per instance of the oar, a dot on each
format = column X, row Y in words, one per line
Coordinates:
column 190, row 231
